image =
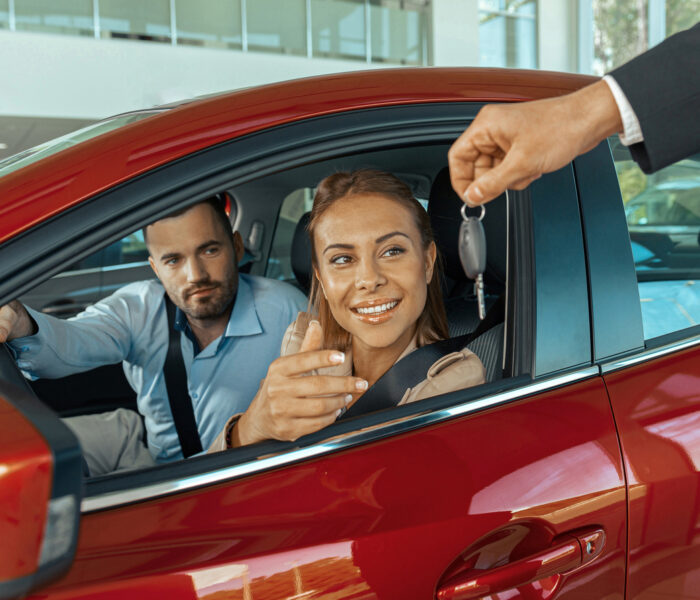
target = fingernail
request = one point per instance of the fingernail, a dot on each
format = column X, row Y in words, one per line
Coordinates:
column 337, row 412
column 338, row 357
column 348, row 399
column 314, row 322
column 361, row 384
column 474, row 193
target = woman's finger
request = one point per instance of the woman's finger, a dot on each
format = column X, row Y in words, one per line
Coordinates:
column 303, row 362
column 316, row 385
column 313, row 338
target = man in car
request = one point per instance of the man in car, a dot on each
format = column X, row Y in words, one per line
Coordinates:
column 231, row 327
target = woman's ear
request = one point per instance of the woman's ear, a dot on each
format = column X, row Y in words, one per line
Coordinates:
column 430, row 256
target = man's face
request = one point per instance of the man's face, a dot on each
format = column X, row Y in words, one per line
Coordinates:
column 195, row 261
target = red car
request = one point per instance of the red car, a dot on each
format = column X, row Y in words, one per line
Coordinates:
column 572, row 473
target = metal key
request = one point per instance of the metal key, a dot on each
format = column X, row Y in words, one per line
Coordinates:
column 472, row 253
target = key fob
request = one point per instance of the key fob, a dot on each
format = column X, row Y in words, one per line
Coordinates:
column 472, row 247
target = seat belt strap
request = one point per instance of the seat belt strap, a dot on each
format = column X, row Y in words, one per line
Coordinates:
column 412, row 369
column 176, row 384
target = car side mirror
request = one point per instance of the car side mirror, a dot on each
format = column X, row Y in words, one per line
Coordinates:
column 40, row 488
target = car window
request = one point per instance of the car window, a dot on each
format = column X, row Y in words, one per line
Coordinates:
column 663, row 217
column 294, row 206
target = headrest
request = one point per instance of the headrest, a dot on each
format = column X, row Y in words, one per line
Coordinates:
column 444, row 211
column 301, row 253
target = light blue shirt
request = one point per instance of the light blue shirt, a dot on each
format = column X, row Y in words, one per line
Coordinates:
column 131, row 326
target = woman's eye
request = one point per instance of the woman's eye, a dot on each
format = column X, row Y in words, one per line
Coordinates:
column 394, row 251
column 343, row 259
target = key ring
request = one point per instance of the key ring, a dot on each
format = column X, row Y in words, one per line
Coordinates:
column 465, row 217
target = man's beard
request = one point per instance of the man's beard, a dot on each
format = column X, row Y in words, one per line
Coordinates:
column 210, row 307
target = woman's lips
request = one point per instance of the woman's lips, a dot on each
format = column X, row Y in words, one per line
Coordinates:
column 375, row 312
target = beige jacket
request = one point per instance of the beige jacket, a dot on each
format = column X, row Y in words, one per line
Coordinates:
column 452, row 372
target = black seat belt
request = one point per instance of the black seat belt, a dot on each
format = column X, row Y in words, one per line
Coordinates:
column 176, row 384
column 412, row 369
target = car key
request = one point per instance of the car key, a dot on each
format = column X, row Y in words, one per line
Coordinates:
column 472, row 254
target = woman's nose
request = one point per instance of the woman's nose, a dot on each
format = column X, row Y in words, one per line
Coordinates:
column 368, row 276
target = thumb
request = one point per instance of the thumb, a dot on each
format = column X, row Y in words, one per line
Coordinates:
column 313, row 339
column 496, row 180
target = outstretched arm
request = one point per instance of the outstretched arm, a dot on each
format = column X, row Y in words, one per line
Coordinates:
column 508, row 146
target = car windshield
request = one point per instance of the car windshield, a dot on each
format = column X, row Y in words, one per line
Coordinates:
column 31, row 155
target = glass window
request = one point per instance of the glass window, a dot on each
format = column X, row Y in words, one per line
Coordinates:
column 59, row 16
column 215, row 23
column 279, row 265
column 277, row 26
column 4, row 14
column 663, row 216
column 338, row 28
column 135, row 19
column 398, row 34
column 681, row 14
column 508, row 33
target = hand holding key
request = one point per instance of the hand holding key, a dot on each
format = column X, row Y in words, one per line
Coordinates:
column 472, row 254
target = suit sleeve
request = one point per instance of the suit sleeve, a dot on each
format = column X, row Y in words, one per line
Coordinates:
column 663, row 87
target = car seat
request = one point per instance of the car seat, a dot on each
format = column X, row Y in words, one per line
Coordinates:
column 460, row 302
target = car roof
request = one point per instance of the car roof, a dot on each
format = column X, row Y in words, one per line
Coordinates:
column 34, row 193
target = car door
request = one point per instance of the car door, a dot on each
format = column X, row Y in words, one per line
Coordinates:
column 648, row 345
column 511, row 489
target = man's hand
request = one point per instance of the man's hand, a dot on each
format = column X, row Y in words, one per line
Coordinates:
column 15, row 322
column 289, row 403
column 508, row 146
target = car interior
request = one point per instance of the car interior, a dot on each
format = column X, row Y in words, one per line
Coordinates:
column 271, row 213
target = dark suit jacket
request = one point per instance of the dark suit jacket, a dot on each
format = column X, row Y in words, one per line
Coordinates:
column 663, row 87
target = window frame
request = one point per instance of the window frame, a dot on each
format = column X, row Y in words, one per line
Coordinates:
column 107, row 217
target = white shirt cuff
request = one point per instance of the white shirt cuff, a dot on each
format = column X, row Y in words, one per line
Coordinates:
column 632, row 130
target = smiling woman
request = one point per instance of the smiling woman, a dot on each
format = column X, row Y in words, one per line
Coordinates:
column 376, row 291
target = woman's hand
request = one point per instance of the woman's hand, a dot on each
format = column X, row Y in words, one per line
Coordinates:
column 290, row 403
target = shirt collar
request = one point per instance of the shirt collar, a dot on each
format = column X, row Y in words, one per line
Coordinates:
column 243, row 321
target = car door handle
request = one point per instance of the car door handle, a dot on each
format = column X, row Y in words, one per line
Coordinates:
column 568, row 553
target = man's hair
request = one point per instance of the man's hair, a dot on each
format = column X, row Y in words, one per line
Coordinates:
column 218, row 204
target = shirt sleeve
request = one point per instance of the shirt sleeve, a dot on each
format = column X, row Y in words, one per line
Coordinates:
column 100, row 335
column 632, row 130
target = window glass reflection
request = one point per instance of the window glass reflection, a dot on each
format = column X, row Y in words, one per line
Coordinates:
column 55, row 16
column 277, row 26
column 338, row 29
column 135, row 19
column 213, row 23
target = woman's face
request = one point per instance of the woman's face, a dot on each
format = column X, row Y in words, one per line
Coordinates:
column 373, row 268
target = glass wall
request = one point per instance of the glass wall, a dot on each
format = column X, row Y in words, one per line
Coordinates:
column 212, row 23
column 338, row 29
column 274, row 26
column 4, row 14
column 393, row 31
column 398, row 33
column 508, row 33
column 135, row 19
column 74, row 17
column 621, row 28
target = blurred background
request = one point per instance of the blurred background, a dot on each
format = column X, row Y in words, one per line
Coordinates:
column 68, row 63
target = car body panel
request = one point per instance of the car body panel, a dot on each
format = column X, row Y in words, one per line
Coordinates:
column 657, row 409
column 38, row 191
column 354, row 524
